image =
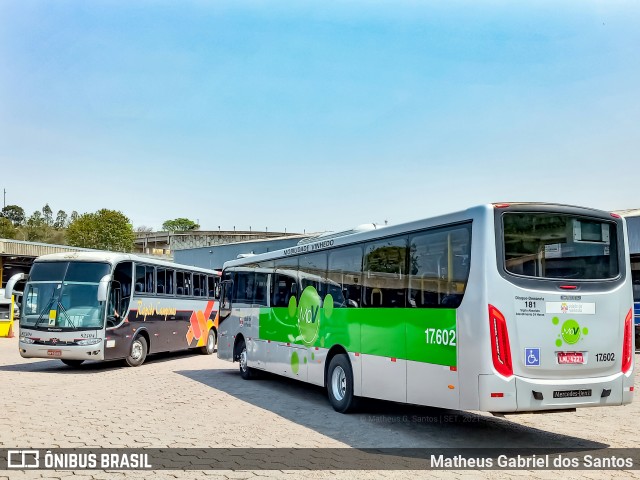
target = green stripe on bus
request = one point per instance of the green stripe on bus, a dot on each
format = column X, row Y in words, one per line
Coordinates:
column 421, row 335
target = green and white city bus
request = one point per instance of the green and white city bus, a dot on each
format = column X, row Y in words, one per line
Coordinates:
column 500, row 308
column 107, row 306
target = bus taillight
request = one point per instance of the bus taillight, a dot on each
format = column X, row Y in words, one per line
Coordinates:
column 500, row 348
column 627, row 345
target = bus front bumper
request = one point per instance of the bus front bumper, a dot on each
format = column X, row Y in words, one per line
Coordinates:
column 66, row 352
column 518, row 394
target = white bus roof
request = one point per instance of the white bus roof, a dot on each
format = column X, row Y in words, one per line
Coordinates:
column 387, row 231
column 115, row 257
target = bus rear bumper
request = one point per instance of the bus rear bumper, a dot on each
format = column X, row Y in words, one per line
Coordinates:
column 518, row 394
column 75, row 352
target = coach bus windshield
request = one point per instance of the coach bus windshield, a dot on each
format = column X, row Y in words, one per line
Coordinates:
column 560, row 246
column 64, row 295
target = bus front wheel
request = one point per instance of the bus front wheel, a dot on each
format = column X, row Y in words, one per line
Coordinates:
column 72, row 363
column 340, row 384
column 210, row 346
column 138, row 352
column 246, row 372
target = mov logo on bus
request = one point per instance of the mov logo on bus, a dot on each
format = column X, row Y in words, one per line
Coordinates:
column 570, row 331
column 310, row 312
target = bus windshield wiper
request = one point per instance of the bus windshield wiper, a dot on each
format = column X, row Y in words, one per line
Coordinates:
column 45, row 309
column 63, row 310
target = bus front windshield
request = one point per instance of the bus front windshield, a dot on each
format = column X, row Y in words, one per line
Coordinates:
column 64, row 295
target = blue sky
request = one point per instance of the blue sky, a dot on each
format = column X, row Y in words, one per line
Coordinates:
column 317, row 115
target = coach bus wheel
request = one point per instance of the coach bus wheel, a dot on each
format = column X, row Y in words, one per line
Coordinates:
column 246, row 372
column 340, row 384
column 210, row 346
column 72, row 363
column 138, row 352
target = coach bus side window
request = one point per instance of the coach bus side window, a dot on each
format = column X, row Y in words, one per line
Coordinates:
column 439, row 267
column 212, row 286
column 345, row 276
column 181, row 284
column 385, row 275
column 144, row 279
column 198, row 284
column 164, row 278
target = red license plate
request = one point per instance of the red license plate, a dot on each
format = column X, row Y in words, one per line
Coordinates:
column 54, row 353
column 570, row 358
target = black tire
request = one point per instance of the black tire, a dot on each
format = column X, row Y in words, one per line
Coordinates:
column 210, row 346
column 246, row 372
column 340, row 384
column 138, row 352
column 72, row 363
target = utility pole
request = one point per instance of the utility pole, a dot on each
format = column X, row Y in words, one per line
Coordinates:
column 5, row 198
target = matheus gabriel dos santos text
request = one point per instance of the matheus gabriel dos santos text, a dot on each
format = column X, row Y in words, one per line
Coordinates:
column 531, row 462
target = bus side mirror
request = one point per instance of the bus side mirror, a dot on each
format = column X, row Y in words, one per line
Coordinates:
column 103, row 287
column 18, row 277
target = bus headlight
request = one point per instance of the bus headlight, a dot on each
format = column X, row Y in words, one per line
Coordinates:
column 88, row 341
column 27, row 339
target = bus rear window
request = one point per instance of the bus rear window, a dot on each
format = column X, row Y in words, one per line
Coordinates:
column 559, row 246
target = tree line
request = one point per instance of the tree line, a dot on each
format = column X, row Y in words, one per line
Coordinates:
column 103, row 230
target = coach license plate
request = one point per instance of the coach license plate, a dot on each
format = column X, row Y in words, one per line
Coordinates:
column 571, row 393
column 570, row 358
column 54, row 353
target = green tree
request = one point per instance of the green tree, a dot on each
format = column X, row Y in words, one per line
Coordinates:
column 7, row 230
column 74, row 216
column 35, row 228
column 61, row 220
column 180, row 225
column 15, row 214
column 103, row 230
column 47, row 215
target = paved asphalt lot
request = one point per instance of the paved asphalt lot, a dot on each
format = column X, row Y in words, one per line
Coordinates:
column 190, row 400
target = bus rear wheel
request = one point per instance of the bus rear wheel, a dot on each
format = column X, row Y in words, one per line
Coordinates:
column 72, row 363
column 340, row 384
column 210, row 346
column 138, row 352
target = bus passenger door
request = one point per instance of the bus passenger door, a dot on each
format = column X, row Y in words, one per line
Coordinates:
column 226, row 330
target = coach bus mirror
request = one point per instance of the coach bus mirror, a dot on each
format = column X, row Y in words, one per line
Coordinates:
column 103, row 287
column 18, row 277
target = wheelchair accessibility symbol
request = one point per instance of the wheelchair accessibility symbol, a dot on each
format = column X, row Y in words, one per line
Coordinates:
column 532, row 357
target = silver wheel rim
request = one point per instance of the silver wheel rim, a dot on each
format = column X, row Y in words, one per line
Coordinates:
column 211, row 342
column 136, row 350
column 338, row 383
column 243, row 360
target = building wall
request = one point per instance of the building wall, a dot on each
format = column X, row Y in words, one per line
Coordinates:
column 633, row 231
column 214, row 256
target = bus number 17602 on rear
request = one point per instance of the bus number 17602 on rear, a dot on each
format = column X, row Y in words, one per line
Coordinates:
column 440, row 336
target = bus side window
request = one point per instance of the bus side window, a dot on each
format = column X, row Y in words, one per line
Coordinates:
column 345, row 275
column 385, row 275
column 260, row 297
column 140, row 279
column 212, row 286
column 285, row 288
column 439, row 267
